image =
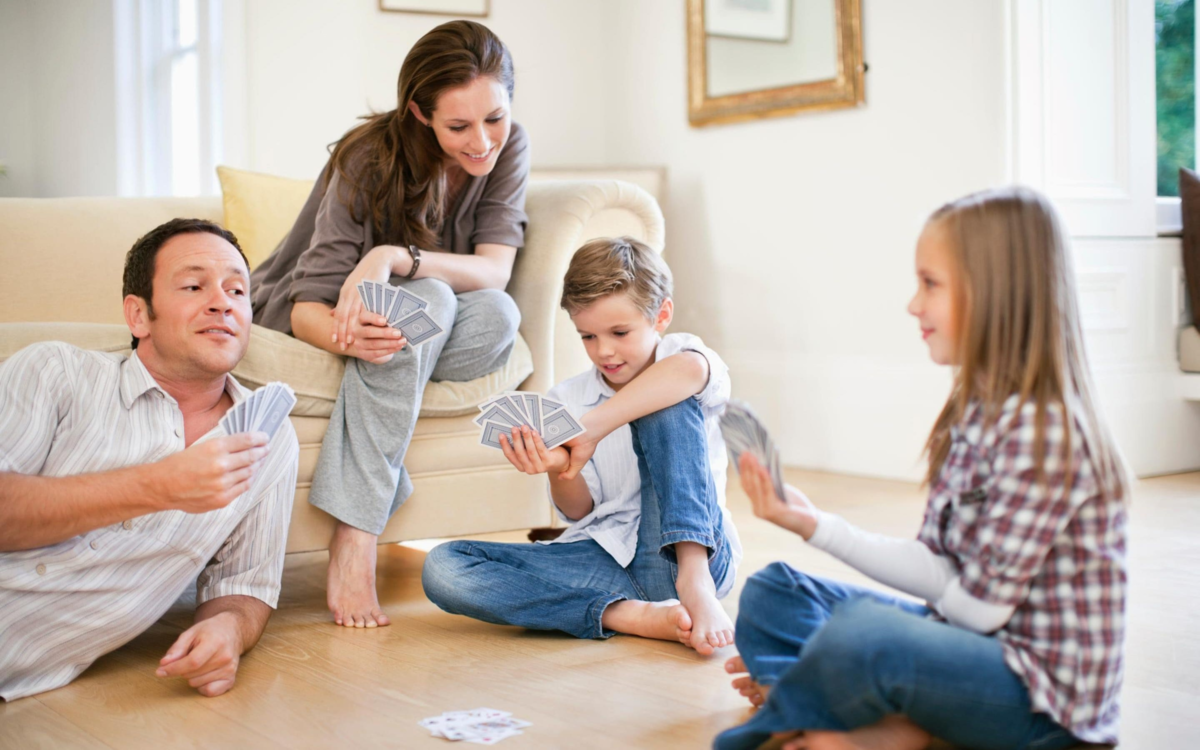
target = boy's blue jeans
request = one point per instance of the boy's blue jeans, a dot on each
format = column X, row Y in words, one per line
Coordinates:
column 840, row 657
column 568, row 586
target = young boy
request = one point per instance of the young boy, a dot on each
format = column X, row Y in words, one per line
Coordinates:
column 651, row 547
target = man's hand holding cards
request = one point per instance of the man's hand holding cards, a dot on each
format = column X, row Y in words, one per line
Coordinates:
column 402, row 309
column 264, row 410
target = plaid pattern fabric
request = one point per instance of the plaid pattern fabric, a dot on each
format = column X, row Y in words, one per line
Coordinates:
column 1057, row 556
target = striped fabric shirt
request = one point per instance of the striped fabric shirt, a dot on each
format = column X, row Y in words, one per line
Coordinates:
column 65, row 411
column 612, row 474
column 1057, row 555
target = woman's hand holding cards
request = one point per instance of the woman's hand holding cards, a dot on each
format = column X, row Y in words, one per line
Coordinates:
column 371, row 338
column 376, row 265
column 527, row 451
column 794, row 512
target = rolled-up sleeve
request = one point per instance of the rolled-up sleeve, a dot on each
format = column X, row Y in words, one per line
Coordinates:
column 250, row 562
column 338, row 243
column 500, row 213
column 35, row 393
column 717, row 390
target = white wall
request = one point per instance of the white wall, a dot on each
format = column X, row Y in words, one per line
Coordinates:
column 313, row 66
column 58, row 135
column 16, row 119
column 792, row 238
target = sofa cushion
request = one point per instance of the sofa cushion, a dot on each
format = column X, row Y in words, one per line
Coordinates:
column 1189, row 349
column 315, row 375
column 260, row 208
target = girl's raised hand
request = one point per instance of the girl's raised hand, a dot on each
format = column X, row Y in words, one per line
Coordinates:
column 794, row 512
column 376, row 265
column 527, row 451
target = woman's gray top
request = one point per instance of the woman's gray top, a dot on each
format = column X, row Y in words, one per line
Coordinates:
column 326, row 243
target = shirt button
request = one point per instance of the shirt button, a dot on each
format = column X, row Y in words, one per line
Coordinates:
column 178, row 432
column 127, row 525
column 93, row 545
column 41, row 570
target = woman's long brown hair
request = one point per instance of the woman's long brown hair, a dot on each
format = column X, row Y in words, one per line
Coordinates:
column 1019, row 329
column 391, row 162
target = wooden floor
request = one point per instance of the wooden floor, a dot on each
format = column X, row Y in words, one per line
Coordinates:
column 310, row 684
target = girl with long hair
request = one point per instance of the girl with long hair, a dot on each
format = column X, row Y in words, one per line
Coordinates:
column 429, row 196
column 1021, row 557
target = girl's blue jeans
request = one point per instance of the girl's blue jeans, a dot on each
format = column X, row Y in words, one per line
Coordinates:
column 839, row 657
column 568, row 586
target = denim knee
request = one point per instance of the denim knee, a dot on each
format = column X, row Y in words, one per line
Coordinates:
column 672, row 416
column 858, row 642
column 441, row 575
column 760, row 595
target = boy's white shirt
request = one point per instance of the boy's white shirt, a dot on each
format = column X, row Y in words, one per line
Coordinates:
column 612, row 473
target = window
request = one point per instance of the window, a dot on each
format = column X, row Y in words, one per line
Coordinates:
column 169, row 114
column 1175, row 56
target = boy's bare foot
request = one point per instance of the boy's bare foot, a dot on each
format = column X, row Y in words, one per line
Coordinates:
column 889, row 733
column 745, row 684
column 666, row 621
column 711, row 627
column 350, row 587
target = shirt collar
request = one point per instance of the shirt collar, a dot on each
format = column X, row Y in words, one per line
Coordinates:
column 596, row 388
column 136, row 381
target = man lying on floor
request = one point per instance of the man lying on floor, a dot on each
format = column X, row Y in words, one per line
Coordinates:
column 118, row 486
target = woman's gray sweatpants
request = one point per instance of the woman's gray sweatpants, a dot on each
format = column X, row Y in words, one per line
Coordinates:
column 360, row 476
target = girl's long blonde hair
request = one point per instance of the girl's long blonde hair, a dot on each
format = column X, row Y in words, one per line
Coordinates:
column 1019, row 329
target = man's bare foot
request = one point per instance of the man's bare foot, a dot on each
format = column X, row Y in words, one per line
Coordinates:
column 745, row 684
column 350, row 587
column 667, row 620
column 711, row 627
column 889, row 733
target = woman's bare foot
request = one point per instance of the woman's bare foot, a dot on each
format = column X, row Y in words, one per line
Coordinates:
column 666, row 621
column 745, row 684
column 889, row 733
column 711, row 627
column 350, row 587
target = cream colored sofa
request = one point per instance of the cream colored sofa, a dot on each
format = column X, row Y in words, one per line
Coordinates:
column 60, row 279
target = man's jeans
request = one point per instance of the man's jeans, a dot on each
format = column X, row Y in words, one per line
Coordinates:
column 840, row 657
column 568, row 586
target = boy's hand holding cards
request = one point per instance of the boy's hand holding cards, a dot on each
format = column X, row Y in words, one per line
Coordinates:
column 264, row 410
column 546, row 417
column 744, row 431
column 404, row 310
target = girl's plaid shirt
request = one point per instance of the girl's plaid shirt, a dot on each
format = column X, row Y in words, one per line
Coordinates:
column 1058, row 556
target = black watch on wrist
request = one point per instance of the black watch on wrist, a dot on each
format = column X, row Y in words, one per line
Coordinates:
column 415, row 252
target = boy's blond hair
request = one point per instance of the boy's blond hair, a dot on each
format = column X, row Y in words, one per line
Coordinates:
column 614, row 265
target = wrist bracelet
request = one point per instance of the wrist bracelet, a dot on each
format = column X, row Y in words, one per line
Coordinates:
column 415, row 252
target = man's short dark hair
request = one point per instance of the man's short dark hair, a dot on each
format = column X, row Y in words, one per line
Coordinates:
column 139, row 261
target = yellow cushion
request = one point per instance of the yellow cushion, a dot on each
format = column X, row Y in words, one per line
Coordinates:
column 260, row 208
column 315, row 375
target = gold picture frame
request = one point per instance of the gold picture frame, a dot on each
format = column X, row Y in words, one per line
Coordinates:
column 844, row 90
column 451, row 8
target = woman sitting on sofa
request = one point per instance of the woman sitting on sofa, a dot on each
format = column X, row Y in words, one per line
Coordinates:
column 429, row 196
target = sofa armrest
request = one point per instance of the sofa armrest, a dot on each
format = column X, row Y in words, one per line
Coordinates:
column 562, row 216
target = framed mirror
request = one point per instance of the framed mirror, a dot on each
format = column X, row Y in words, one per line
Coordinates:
column 749, row 59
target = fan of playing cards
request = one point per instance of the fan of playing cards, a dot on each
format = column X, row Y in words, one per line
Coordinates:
column 261, row 411
column 744, row 431
column 548, row 418
column 404, row 310
column 483, row 726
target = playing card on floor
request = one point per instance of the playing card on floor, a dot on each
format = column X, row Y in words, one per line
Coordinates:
column 744, row 431
column 483, row 726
